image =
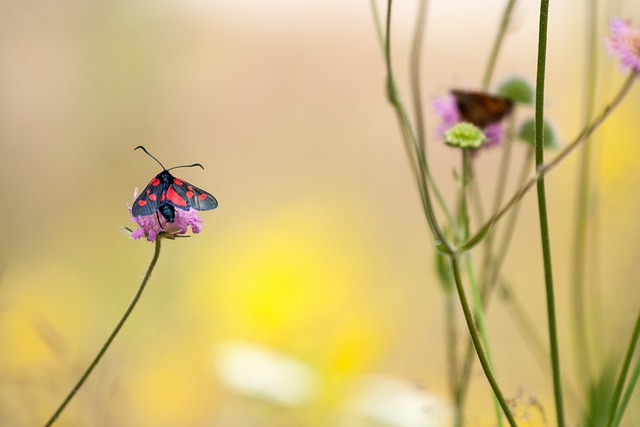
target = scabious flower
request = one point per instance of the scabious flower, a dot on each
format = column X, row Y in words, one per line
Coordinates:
column 624, row 42
column 154, row 225
column 447, row 108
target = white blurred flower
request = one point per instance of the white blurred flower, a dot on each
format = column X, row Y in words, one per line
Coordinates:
column 259, row 371
column 394, row 402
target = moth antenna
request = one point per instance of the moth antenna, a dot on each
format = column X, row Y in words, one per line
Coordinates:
column 187, row 166
column 149, row 154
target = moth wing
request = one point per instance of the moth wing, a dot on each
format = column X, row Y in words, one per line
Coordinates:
column 184, row 196
column 481, row 108
column 149, row 200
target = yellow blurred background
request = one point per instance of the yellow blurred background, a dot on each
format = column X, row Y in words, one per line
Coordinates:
column 318, row 264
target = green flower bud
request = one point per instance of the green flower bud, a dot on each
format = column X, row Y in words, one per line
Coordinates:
column 518, row 90
column 464, row 135
column 527, row 131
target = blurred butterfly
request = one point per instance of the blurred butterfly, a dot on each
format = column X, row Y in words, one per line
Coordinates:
column 480, row 108
column 165, row 193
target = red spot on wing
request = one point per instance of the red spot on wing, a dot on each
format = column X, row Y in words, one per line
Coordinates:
column 163, row 197
column 142, row 202
column 155, row 182
column 177, row 181
column 190, row 187
column 175, row 198
column 152, row 197
column 148, row 191
column 189, row 194
column 202, row 196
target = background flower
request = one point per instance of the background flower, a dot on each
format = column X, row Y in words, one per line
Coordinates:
column 624, row 42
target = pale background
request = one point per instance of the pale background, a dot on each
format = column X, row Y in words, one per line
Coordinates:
column 318, row 251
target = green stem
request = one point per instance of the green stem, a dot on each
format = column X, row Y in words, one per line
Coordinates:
column 542, row 211
column 615, row 399
column 416, row 74
column 482, row 327
column 492, row 273
column 493, row 56
column 477, row 340
column 105, row 346
column 411, row 143
column 452, row 357
column 627, row 394
column 580, row 325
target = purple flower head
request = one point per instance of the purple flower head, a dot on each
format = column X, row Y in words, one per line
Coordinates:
column 624, row 42
column 154, row 225
column 447, row 108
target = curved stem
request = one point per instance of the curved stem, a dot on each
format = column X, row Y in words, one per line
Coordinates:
column 105, row 346
column 477, row 341
column 411, row 143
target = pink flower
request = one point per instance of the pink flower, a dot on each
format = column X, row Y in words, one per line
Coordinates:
column 625, row 43
column 447, row 108
column 154, row 225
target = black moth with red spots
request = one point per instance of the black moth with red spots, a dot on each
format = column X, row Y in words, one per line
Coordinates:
column 165, row 192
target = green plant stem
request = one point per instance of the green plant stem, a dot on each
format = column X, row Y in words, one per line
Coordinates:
column 580, row 322
column 107, row 343
column 467, row 178
column 501, row 253
column 548, row 167
column 419, row 164
column 452, row 356
column 490, row 269
column 615, row 399
column 477, row 340
column 627, row 394
column 542, row 211
column 482, row 327
column 416, row 74
column 492, row 273
column 493, row 56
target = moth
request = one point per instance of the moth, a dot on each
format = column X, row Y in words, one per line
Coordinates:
column 165, row 193
column 480, row 108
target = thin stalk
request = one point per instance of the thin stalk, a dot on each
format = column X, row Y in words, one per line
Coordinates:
column 493, row 56
column 582, row 351
column 627, row 394
column 411, row 142
column 490, row 269
column 542, row 211
column 482, row 326
column 615, row 399
column 477, row 341
column 107, row 343
column 509, row 229
column 452, row 356
column 416, row 74
column 492, row 274
column 467, row 178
